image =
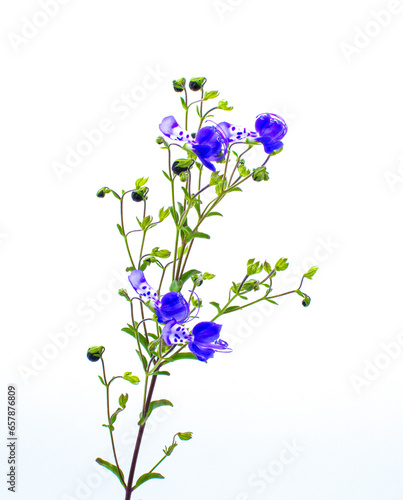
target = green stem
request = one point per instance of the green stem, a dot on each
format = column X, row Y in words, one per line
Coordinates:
column 109, row 423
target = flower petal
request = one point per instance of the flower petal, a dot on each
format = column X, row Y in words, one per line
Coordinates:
column 202, row 353
column 169, row 127
column 172, row 334
column 140, row 285
column 269, row 145
column 173, row 306
column 206, row 331
column 235, row 133
column 270, row 125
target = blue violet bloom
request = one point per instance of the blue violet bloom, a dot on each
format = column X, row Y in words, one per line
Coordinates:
column 270, row 129
column 173, row 310
column 210, row 144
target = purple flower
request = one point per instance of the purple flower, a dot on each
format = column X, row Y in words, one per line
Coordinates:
column 173, row 306
column 204, row 341
column 140, row 285
column 235, row 133
column 270, row 129
column 210, row 144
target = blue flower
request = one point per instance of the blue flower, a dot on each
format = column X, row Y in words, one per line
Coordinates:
column 173, row 306
column 270, row 129
column 235, row 133
column 210, row 144
column 204, row 340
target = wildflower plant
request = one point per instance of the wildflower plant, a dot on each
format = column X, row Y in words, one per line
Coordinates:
column 167, row 319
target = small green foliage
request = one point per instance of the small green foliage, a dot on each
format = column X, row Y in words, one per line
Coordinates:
column 153, row 406
column 185, row 436
column 112, row 468
column 162, row 254
column 131, row 378
column 311, row 273
column 123, row 398
column 146, row 222
column 242, row 170
column 120, row 229
column 224, row 106
column 123, row 293
column 146, row 477
column 211, row 95
column 281, row 265
column 141, row 182
column 260, row 174
column 253, row 267
column 175, row 286
column 163, row 214
column 208, row 276
column 267, row 267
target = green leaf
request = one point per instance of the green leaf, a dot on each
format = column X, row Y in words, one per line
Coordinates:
column 211, row 95
column 163, row 214
column 123, row 398
column 150, row 475
column 230, row 309
column 217, row 306
column 208, row 276
column 141, row 182
column 243, row 171
column 146, row 222
column 267, row 267
column 112, row 468
column 102, row 380
column 162, row 373
column 224, row 106
column 185, row 436
column 184, row 104
column 153, row 406
column 197, row 234
column 166, row 175
column 114, row 415
column 175, row 286
column 281, row 265
column 212, row 214
column 120, row 229
column 311, row 273
column 131, row 378
column 188, row 275
column 254, row 267
column 162, row 254
column 180, row 355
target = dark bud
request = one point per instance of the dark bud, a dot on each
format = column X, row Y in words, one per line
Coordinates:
column 179, row 85
column 139, row 194
column 306, row 301
column 193, row 134
column 180, row 166
column 260, row 174
column 159, row 140
column 197, row 280
column 95, row 353
column 196, row 84
column 101, row 193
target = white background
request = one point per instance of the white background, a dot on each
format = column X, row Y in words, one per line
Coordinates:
column 297, row 376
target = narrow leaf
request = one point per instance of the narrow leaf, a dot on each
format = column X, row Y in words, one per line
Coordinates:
column 112, row 468
column 150, row 475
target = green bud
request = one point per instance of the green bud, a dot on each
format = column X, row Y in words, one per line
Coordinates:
column 139, row 194
column 95, row 353
column 159, row 140
column 197, row 279
column 260, row 174
column 185, row 436
column 101, row 193
column 306, row 301
column 253, row 268
column 267, row 267
column 281, row 264
column 123, row 293
column 224, row 106
column 196, row 84
column 179, row 85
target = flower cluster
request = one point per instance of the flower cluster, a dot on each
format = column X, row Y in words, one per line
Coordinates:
column 212, row 141
column 173, row 311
